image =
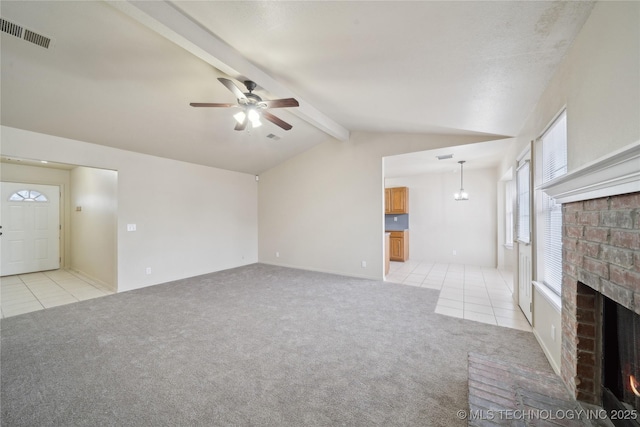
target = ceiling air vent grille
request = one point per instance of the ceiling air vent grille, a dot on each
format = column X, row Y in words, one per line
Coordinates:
column 274, row 137
column 28, row 35
column 36, row 38
column 10, row 28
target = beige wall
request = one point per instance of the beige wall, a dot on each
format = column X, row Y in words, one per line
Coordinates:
column 438, row 224
column 190, row 219
column 324, row 209
column 94, row 217
column 599, row 83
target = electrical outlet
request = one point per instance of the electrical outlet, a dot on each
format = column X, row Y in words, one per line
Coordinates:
column 277, row 254
column 148, row 270
column 553, row 332
column 455, row 252
column 395, row 218
column 131, row 227
column 364, row 264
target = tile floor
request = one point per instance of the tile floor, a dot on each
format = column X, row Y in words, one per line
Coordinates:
column 24, row 293
column 468, row 292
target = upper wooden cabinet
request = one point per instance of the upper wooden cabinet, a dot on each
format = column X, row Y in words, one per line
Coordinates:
column 396, row 200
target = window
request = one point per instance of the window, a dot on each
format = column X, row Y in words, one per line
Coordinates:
column 552, row 152
column 523, row 183
column 28, row 196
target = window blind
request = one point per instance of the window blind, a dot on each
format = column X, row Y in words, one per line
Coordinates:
column 554, row 164
column 523, row 183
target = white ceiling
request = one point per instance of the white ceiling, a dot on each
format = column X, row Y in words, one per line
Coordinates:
column 115, row 75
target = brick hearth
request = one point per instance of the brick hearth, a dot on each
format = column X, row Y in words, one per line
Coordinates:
column 601, row 255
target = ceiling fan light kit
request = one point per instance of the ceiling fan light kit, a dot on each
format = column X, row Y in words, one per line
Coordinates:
column 253, row 107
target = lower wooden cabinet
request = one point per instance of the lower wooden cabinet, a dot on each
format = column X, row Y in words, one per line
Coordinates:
column 399, row 245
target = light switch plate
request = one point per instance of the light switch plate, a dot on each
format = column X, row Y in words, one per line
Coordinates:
column 131, row 227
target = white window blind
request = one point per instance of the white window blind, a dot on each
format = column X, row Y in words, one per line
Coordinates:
column 554, row 164
column 523, row 183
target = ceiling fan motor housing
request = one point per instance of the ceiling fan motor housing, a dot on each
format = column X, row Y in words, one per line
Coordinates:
column 250, row 85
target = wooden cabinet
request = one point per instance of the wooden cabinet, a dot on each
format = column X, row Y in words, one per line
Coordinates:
column 399, row 245
column 396, row 200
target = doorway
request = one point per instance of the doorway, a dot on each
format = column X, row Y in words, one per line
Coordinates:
column 87, row 224
column 30, row 219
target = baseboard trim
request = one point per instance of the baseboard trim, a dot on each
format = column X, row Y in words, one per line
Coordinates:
column 320, row 270
column 546, row 352
column 88, row 278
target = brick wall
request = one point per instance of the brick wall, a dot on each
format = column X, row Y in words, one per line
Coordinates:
column 601, row 254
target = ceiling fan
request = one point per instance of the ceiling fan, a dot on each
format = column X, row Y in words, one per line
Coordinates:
column 253, row 107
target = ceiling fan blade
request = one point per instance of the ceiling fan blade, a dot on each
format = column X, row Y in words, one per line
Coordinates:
column 211, row 104
column 281, row 103
column 276, row 121
column 241, row 126
column 232, row 87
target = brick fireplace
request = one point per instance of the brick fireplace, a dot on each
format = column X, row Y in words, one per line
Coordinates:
column 601, row 249
column 601, row 271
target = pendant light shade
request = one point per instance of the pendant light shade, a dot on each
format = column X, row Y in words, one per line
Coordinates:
column 461, row 195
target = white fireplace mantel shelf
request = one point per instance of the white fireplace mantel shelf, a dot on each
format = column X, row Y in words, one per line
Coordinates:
column 616, row 173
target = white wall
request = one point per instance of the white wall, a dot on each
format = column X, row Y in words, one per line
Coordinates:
column 94, row 204
column 438, row 224
column 599, row 83
column 190, row 219
column 324, row 209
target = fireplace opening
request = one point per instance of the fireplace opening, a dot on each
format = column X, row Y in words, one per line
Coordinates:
column 620, row 363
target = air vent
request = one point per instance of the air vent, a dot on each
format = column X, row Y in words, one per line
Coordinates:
column 445, row 156
column 10, row 28
column 38, row 39
column 28, row 35
column 274, row 137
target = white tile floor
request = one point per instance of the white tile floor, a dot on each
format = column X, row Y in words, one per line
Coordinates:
column 24, row 293
column 468, row 292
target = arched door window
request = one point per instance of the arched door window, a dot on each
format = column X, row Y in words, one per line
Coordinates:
column 28, row 196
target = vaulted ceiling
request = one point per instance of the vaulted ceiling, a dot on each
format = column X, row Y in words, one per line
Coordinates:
column 123, row 73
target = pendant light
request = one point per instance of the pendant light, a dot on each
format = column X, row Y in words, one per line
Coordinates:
column 461, row 195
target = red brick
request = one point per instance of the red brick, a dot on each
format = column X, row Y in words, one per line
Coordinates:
column 626, row 201
column 617, row 256
column 617, row 219
column 587, row 344
column 589, row 218
column 586, row 315
column 598, row 268
column 587, row 386
column 601, row 204
column 570, row 218
column 573, row 231
column 621, row 295
column 570, row 271
column 589, row 249
column 572, row 207
column 625, row 239
column 596, row 234
column 626, row 278
column 592, row 280
column 585, row 302
column 585, row 371
column 585, row 330
column 574, row 258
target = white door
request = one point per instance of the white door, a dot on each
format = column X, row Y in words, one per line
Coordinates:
column 30, row 219
column 523, row 236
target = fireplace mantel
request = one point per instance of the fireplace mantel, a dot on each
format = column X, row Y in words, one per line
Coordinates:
column 616, row 173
